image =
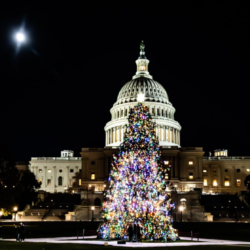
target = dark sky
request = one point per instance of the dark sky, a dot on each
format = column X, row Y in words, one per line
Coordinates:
column 56, row 92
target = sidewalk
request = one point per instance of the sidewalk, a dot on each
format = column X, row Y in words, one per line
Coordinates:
column 137, row 244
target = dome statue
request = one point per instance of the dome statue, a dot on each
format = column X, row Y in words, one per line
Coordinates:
column 155, row 97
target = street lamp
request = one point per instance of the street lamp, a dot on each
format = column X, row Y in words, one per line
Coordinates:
column 181, row 208
column 92, row 208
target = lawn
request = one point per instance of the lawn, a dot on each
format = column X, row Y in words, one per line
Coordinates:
column 50, row 246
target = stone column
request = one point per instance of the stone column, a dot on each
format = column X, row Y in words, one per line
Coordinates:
column 162, row 133
column 119, row 133
column 113, row 135
column 233, row 177
column 169, row 140
column 68, row 181
column 55, row 179
column 219, row 177
column 210, row 177
column 45, row 176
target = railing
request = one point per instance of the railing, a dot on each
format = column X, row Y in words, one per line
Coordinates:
column 57, row 158
column 226, row 158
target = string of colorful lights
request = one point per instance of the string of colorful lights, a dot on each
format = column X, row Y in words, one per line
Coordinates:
column 137, row 192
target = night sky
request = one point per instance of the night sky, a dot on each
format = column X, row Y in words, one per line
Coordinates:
column 57, row 90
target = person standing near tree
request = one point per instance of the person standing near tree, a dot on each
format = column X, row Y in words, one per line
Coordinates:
column 23, row 231
column 130, row 233
column 18, row 231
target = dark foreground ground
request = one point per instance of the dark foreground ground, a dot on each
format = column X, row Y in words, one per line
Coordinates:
column 50, row 246
column 227, row 231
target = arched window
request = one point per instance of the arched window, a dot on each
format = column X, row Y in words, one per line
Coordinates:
column 60, row 181
column 97, row 202
column 226, row 181
column 215, row 183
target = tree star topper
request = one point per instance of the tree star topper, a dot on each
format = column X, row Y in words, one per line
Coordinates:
column 141, row 97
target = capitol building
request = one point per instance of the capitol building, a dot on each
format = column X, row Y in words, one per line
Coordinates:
column 156, row 98
column 189, row 169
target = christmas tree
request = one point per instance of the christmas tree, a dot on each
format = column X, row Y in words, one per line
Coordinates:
column 137, row 192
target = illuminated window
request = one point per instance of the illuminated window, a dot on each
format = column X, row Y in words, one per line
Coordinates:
column 49, row 170
column 166, row 176
column 215, row 183
column 92, row 176
column 204, row 170
column 248, row 169
column 190, row 163
column 142, row 68
column 80, row 182
column 40, row 181
column 40, row 170
column 215, row 154
column 238, row 182
column 205, row 182
column 191, row 176
column 166, row 162
column 49, row 182
column 226, row 182
column 71, row 182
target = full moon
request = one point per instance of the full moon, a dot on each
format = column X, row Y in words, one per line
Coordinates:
column 20, row 37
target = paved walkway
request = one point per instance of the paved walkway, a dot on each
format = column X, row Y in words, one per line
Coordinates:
column 87, row 240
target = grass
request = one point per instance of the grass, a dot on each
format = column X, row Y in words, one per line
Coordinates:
column 50, row 246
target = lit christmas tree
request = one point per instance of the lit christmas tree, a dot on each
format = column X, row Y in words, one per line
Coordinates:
column 137, row 192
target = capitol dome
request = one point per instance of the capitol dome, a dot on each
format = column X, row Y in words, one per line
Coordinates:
column 152, row 90
column 155, row 97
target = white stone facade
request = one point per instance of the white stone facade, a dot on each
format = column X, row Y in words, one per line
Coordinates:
column 156, row 98
column 57, row 174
